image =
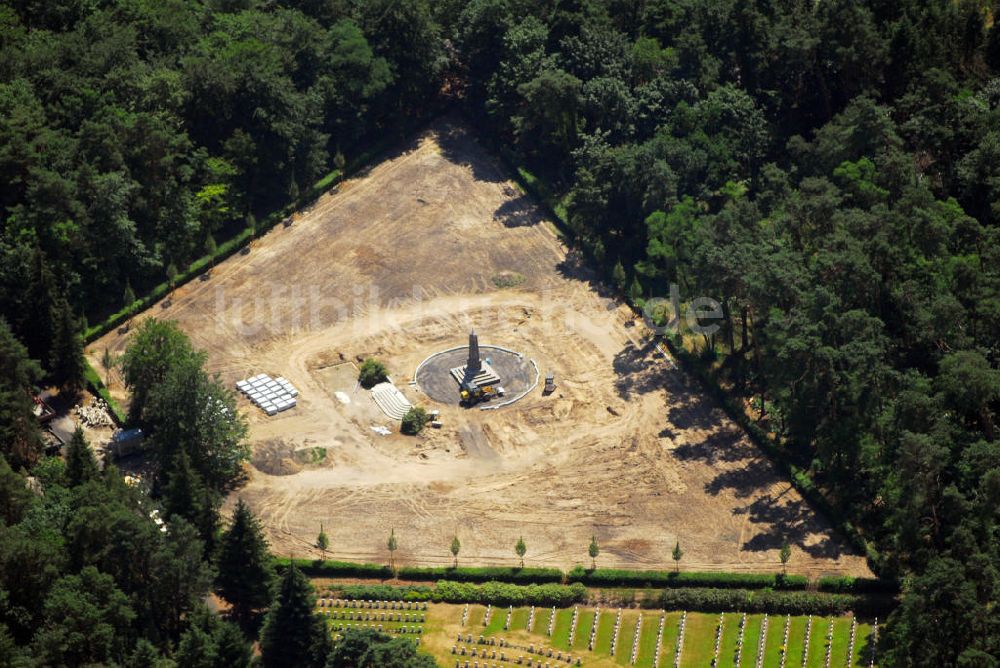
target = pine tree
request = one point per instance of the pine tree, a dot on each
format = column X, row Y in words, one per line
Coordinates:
column 20, row 435
column 36, row 326
column 677, row 554
column 293, row 635
column 456, row 546
column 209, row 642
column 81, row 466
column 593, row 551
column 196, row 649
column 15, row 497
column 231, row 649
column 145, row 655
column 185, row 495
column 66, row 364
column 246, row 576
column 521, row 549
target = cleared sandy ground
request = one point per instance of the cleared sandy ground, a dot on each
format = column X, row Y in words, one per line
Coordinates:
column 400, row 263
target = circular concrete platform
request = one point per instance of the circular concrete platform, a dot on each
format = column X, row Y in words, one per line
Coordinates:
column 517, row 373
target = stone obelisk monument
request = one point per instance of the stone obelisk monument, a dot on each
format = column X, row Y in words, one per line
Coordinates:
column 474, row 365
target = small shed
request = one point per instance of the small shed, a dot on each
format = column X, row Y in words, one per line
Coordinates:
column 125, row 442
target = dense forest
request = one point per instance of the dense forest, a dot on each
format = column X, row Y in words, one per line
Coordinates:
column 828, row 171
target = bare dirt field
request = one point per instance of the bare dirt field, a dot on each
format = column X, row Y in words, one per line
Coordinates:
column 399, row 263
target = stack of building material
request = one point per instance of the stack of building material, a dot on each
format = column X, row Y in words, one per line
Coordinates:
column 271, row 395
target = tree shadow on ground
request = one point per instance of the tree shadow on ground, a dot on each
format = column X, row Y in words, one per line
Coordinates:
column 867, row 654
column 518, row 212
column 789, row 520
column 637, row 371
column 743, row 482
column 460, row 145
column 724, row 445
column 575, row 267
column 694, row 412
column 405, row 144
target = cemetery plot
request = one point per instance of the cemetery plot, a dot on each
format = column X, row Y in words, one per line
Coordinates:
column 391, row 617
column 400, row 263
column 473, row 633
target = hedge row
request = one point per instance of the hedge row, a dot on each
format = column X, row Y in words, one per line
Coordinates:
column 346, row 569
column 593, row 578
column 851, row 585
column 771, row 602
column 482, row 574
column 629, row 578
column 324, row 568
column 602, row 577
column 494, row 593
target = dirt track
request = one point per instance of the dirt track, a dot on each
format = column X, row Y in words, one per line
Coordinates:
column 399, row 264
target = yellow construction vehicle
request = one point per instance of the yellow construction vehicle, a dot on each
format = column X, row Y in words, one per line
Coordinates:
column 472, row 394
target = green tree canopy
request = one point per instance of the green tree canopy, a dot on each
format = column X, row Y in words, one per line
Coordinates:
column 81, row 465
column 246, row 574
column 20, row 436
column 365, row 648
column 88, row 617
column 293, row 634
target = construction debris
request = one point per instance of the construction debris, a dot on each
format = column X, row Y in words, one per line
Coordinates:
column 94, row 414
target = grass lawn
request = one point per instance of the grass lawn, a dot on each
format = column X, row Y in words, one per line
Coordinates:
column 730, row 634
column 583, row 625
column 519, row 621
column 862, row 645
column 796, row 640
column 626, row 634
column 671, row 629
column 841, row 639
column 605, row 628
column 817, row 642
column 647, row 640
column 443, row 623
column 751, row 640
column 497, row 618
column 476, row 613
column 775, row 636
column 541, row 621
column 560, row 632
column 699, row 639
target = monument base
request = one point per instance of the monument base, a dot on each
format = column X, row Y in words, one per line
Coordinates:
column 486, row 375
